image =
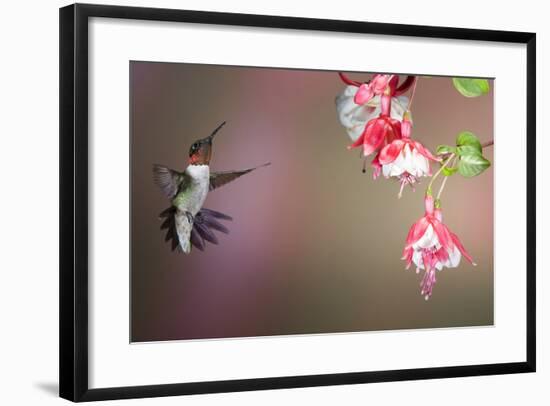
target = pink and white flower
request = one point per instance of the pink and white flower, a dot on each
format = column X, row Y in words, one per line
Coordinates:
column 354, row 117
column 379, row 131
column 431, row 246
column 406, row 159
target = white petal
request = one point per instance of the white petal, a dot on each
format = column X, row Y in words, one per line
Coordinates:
column 396, row 170
column 362, row 114
column 417, row 259
column 354, row 117
column 398, row 107
column 386, row 170
column 422, row 164
column 356, row 130
column 345, row 105
column 454, row 258
column 428, row 240
column 398, row 165
column 414, row 168
column 403, row 161
column 409, row 165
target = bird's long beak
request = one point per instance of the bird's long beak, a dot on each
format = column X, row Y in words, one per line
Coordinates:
column 211, row 136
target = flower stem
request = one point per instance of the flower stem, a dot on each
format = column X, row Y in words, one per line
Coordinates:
column 347, row 80
column 405, row 85
column 442, row 187
column 454, row 157
column 412, row 93
column 440, row 170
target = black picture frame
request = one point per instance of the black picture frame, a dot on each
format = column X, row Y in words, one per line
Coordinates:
column 73, row 253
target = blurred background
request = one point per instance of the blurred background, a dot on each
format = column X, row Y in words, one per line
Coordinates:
column 315, row 244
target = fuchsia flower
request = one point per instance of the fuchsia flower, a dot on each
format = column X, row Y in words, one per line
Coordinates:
column 379, row 130
column 354, row 117
column 431, row 246
column 378, row 121
column 405, row 158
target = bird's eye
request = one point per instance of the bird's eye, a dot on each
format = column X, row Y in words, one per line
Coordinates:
column 193, row 149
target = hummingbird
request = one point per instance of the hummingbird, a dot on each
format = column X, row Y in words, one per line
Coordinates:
column 188, row 223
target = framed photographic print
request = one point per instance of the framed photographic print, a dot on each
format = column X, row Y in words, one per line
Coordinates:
column 258, row 202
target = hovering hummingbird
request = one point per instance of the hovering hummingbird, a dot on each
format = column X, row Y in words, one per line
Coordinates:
column 188, row 223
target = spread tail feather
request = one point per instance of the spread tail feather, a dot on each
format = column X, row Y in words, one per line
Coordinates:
column 182, row 235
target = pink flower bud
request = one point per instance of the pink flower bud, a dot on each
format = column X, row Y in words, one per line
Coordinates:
column 406, row 126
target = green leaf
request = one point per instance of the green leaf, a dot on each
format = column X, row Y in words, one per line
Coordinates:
column 471, row 163
column 471, row 87
column 466, row 138
column 445, row 149
column 467, row 150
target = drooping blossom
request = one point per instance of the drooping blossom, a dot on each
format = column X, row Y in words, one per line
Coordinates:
column 371, row 113
column 354, row 117
column 404, row 158
column 380, row 130
column 431, row 246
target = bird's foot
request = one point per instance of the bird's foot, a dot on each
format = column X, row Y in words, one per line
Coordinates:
column 190, row 217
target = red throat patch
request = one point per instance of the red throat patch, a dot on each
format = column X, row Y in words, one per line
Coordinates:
column 194, row 159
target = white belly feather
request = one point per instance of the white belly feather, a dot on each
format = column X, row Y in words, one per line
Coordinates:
column 195, row 197
column 200, row 176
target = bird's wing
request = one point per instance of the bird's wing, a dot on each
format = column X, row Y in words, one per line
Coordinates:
column 218, row 179
column 169, row 180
